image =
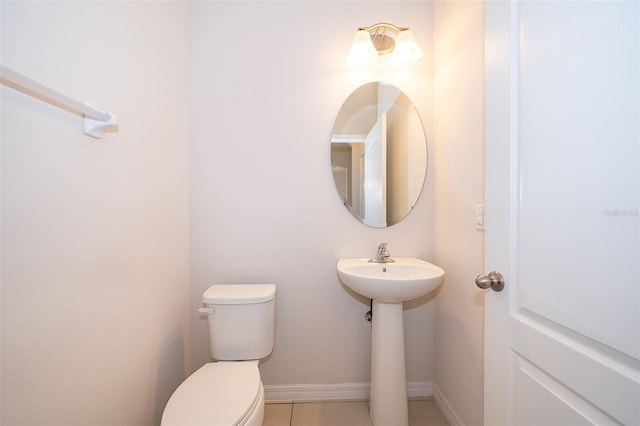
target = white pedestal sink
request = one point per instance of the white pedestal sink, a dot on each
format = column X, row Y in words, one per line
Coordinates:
column 389, row 284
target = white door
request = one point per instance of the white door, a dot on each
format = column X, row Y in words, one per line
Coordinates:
column 562, row 340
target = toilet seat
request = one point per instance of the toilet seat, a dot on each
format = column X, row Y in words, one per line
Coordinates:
column 218, row 394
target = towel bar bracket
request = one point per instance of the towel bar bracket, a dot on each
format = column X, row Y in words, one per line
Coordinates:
column 97, row 128
column 96, row 122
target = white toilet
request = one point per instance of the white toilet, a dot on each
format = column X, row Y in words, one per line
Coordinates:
column 229, row 391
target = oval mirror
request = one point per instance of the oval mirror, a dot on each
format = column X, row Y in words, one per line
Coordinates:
column 378, row 154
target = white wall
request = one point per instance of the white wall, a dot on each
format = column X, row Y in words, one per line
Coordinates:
column 94, row 232
column 267, row 80
column 459, row 185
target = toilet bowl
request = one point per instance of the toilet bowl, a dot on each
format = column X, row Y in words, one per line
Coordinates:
column 229, row 391
column 219, row 393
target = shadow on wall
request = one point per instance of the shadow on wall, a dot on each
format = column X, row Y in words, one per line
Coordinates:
column 422, row 300
column 171, row 372
column 462, row 349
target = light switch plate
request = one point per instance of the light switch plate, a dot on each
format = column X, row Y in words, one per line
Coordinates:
column 479, row 217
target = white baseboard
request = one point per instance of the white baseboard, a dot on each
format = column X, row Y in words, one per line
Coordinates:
column 335, row 392
column 446, row 407
column 316, row 392
column 420, row 389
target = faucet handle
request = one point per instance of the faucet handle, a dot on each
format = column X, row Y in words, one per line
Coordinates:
column 383, row 255
column 382, row 250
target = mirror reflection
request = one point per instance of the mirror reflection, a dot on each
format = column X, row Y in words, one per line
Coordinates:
column 378, row 154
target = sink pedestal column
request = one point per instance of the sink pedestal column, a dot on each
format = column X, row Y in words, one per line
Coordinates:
column 389, row 405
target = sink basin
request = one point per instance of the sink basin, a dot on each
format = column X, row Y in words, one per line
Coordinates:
column 405, row 279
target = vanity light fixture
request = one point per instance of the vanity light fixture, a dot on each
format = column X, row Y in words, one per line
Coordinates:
column 370, row 43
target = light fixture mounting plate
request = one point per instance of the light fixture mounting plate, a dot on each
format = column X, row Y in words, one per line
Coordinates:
column 383, row 36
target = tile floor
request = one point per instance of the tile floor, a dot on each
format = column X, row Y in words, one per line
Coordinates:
column 421, row 413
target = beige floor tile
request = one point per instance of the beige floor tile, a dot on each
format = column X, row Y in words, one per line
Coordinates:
column 330, row 414
column 421, row 413
column 277, row 415
column 425, row 413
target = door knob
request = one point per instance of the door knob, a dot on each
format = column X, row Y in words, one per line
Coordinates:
column 493, row 280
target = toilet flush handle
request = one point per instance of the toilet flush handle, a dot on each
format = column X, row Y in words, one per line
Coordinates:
column 207, row 311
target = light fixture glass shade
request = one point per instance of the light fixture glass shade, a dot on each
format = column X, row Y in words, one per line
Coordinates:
column 407, row 50
column 362, row 51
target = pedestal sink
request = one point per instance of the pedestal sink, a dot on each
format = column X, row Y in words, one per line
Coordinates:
column 389, row 284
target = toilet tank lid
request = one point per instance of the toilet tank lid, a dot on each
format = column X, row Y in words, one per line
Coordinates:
column 236, row 294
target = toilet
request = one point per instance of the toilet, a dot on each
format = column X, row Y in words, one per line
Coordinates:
column 229, row 391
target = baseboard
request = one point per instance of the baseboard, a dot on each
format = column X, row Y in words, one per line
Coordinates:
column 446, row 407
column 316, row 392
column 335, row 392
column 418, row 390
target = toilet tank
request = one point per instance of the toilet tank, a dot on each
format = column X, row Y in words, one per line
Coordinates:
column 241, row 320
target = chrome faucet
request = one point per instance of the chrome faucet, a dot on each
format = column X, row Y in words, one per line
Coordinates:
column 383, row 255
